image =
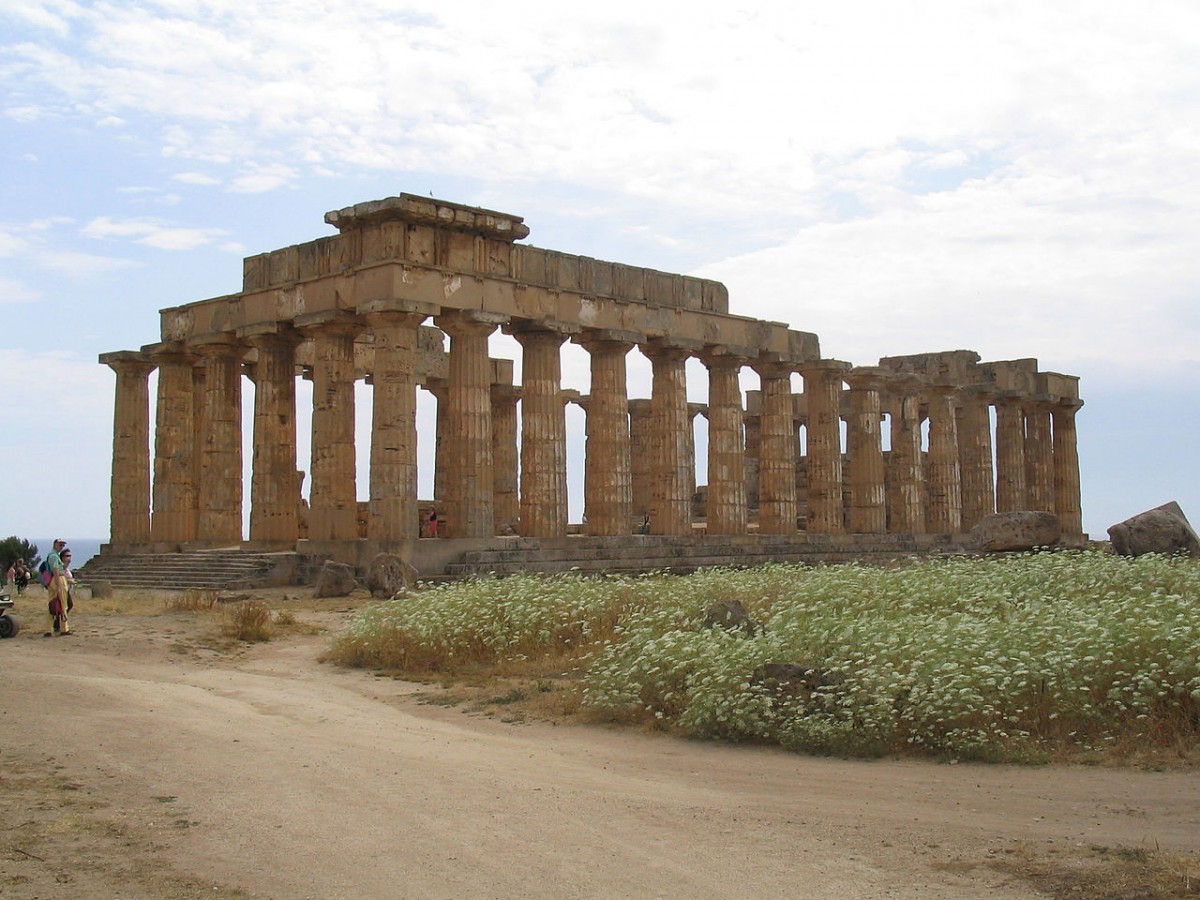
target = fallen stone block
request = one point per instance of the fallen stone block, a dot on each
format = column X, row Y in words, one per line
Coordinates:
column 1164, row 529
column 1014, row 531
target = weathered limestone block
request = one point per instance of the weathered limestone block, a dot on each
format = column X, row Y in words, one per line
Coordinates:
column 1164, row 529
column 389, row 575
column 334, row 580
column 1020, row 530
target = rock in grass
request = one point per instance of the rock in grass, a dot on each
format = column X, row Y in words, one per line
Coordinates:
column 730, row 615
column 794, row 681
column 389, row 575
column 335, row 580
column 1164, row 529
column 1022, row 530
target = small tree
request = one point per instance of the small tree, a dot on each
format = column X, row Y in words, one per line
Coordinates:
column 13, row 548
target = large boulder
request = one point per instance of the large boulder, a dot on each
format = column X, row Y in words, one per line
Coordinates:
column 1021, row 530
column 335, row 580
column 389, row 575
column 1164, row 529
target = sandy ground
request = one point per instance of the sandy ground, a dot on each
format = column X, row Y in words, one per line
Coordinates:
column 144, row 758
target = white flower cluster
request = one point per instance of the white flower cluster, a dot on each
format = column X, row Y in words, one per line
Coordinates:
column 997, row 659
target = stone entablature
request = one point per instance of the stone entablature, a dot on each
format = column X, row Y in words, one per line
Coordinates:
column 447, row 256
column 354, row 306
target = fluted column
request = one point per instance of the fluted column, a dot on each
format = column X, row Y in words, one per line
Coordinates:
column 130, row 487
column 506, row 503
column 219, row 499
column 174, row 487
column 907, row 500
column 641, row 440
column 868, row 507
column 945, row 480
column 823, row 393
column 607, row 474
column 393, row 513
column 1039, row 457
column 975, row 455
column 1010, row 453
column 274, row 511
column 437, row 387
column 543, row 433
column 726, row 446
column 777, row 450
column 467, row 448
column 753, row 423
column 333, row 494
column 670, row 505
column 1066, row 468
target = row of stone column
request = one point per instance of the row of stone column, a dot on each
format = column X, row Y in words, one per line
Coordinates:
column 196, row 489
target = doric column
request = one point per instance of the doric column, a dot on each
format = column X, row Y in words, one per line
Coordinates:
column 868, row 507
column 753, row 423
column 1010, row 453
column 506, row 503
column 393, row 513
column 975, row 455
column 670, row 505
column 641, row 439
column 726, row 445
column 274, row 511
column 907, row 476
column 1039, row 456
column 130, row 487
column 219, row 498
column 607, row 474
column 945, row 481
column 777, row 450
column 437, row 387
column 1066, row 467
column 693, row 409
column 467, row 446
column 543, row 431
column 174, row 489
column 823, row 396
column 333, row 492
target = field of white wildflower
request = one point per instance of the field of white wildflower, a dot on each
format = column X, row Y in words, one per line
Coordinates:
column 1003, row 659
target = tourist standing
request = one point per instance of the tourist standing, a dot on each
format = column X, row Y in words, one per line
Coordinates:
column 58, row 590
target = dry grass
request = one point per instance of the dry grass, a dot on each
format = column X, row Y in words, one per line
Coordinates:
column 249, row 621
column 1104, row 873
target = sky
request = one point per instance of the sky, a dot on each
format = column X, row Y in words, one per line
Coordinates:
column 1015, row 178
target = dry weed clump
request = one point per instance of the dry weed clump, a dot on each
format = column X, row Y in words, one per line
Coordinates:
column 249, row 621
column 191, row 601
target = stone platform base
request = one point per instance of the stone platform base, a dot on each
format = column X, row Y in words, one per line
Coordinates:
column 447, row 558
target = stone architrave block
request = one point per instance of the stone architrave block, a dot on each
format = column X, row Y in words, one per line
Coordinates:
column 335, row 580
column 1013, row 531
column 389, row 575
column 1164, row 529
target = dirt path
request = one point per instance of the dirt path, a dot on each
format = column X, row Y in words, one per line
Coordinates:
column 140, row 762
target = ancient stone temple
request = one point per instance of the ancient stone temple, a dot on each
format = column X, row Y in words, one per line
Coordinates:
column 914, row 447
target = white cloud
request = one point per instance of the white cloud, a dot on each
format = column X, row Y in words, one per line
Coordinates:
column 78, row 265
column 261, row 179
column 196, row 178
column 151, row 233
column 13, row 291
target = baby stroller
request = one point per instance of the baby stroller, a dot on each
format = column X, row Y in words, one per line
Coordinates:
column 9, row 626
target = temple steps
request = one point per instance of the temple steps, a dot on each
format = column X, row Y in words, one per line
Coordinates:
column 214, row 570
column 682, row 555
